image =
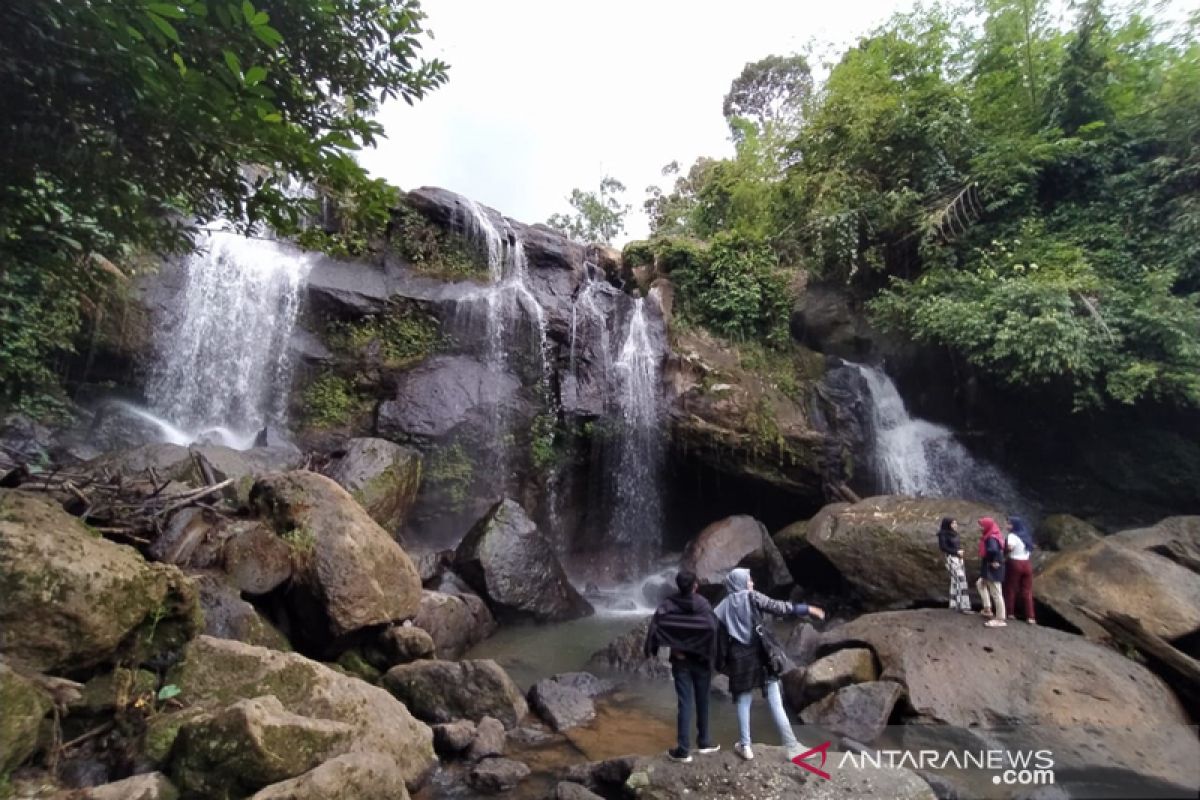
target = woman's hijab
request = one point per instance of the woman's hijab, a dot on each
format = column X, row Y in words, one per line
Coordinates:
column 1022, row 532
column 735, row 611
column 989, row 530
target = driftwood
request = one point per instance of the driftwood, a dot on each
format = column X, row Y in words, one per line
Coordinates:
column 1176, row 667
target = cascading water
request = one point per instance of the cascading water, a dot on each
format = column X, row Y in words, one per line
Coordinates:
column 223, row 364
column 917, row 457
column 637, row 517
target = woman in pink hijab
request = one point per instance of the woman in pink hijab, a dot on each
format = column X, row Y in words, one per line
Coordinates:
column 991, row 571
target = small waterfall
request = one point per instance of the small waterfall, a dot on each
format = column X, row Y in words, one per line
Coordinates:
column 917, row 457
column 223, row 363
column 637, row 517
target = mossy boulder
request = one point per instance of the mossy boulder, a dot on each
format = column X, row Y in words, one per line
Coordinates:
column 1064, row 532
column 217, row 672
column 886, row 547
column 251, row 744
column 22, row 708
column 443, row 691
column 70, row 600
column 383, row 477
column 349, row 574
column 118, row 689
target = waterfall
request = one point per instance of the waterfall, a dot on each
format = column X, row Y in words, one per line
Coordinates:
column 223, row 363
column 637, row 517
column 916, row 457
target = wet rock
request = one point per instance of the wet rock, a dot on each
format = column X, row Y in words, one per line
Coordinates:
column 1115, row 575
column 401, row 644
column 1065, row 532
column 170, row 462
column 217, row 672
column 431, row 566
column 860, row 711
column 255, row 559
column 443, row 691
column 456, row 622
column 513, row 566
column 738, row 541
column 443, row 393
column 886, row 547
column 349, row 574
column 24, row 707
column 489, row 741
column 151, row 786
column 251, row 744
column 81, row 772
column 450, row 739
column 70, row 600
column 228, row 616
column 825, row 676
column 496, row 775
column 382, row 476
column 770, row 776
column 624, row 654
column 1093, row 707
column 354, row 776
column 565, row 700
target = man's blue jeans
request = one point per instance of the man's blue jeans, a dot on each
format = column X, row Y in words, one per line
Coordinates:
column 693, row 678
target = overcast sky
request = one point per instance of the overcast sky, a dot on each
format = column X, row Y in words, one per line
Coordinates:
column 548, row 95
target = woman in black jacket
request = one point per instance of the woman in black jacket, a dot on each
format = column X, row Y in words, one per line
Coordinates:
column 740, row 613
column 951, row 547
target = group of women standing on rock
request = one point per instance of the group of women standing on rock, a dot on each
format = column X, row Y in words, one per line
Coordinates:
column 1005, row 569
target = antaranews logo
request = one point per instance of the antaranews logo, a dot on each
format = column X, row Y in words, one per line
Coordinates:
column 1011, row 767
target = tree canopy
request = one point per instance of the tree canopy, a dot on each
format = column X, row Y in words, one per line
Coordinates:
column 1022, row 192
column 129, row 123
column 598, row 216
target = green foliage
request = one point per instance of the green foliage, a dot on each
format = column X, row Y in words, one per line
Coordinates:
column 450, row 471
column 330, row 401
column 356, row 219
column 599, row 216
column 542, row 439
column 127, row 123
column 735, row 290
column 396, row 339
column 770, row 93
column 432, row 250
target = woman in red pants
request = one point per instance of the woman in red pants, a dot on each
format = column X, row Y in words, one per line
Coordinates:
column 1018, row 569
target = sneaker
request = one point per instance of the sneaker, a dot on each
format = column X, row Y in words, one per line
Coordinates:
column 680, row 755
column 995, row 623
column 744, row 751
column 1032, row 621
column 711, row 748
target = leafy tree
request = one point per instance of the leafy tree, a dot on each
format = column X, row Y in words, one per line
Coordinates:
column 599, row 216
column 771, row 94
column 129, row 123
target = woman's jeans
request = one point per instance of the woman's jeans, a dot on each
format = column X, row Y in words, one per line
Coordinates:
column 775, row 702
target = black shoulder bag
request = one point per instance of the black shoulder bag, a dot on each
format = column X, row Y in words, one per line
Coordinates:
column 774, row 656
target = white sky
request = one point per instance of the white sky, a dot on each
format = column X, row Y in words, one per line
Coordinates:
column 548, row 95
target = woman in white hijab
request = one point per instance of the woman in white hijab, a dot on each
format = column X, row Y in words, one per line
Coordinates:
column 740, row 613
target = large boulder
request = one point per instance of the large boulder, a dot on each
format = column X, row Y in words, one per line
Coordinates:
column 353, row 776
column 1117, row 575
column 859, row 711
column 1065, row 532
column 1032, row 687
column 70, row 600
column 382, row 476
column 443, row 691
column 886, row 547
column 1176, row 538
column 442, row 394
column 826, row 675
column 255, row 559
column 513, row 566
column 350, row 574
column 738, row 541
column 770, row 776
column 457, row 622
column 24, row 707
column 250, row 744
column 218, row 672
